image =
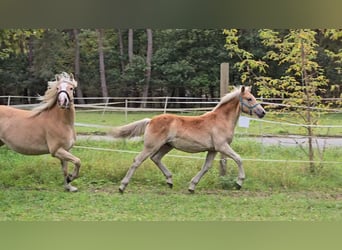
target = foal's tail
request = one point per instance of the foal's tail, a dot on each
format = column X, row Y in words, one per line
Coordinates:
column 130, row 130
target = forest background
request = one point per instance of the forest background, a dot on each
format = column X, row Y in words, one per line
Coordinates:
column 146, row 62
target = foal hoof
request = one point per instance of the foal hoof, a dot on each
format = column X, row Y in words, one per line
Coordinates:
column 170, row 185
column 237, row 186
column 122, row 188
column 192, row 191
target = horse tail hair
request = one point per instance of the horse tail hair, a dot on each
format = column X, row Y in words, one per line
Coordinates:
column 130, row 130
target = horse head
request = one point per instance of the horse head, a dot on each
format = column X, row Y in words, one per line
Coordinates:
column 65, row 90
column 249, row 104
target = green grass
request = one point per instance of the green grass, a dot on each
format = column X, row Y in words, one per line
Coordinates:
column 31, row 187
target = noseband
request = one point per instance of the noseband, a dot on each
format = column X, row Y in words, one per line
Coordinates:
column 65, row 92
column 250, row 108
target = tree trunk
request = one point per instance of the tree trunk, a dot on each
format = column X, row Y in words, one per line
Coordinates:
column 104, row 89
column 308, row 110
column 121, row 51
column 130, row 45
column 79, row 92
column 148, row 66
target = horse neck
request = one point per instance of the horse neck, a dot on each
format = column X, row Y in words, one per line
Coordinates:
column 230, row 111
column 66, row 116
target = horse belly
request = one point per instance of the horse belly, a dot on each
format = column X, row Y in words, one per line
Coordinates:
column 191, row 146
column 28, row 149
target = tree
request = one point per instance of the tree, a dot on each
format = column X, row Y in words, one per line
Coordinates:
column 130, row 45
column 148, row 65
column 77, row 66
column 104, row 89
column 302, row 81
column 121, row 51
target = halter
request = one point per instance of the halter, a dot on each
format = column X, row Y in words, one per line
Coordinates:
column 250, row 108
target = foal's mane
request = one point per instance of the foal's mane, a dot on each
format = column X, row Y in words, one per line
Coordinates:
column 228, row 97
column 50, row 96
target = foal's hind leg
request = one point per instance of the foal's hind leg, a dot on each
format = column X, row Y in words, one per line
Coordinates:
column 138, row 160
column 65, row 156
column 156, row 158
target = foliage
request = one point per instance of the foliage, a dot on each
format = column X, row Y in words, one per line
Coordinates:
column 303, row 81
column 185, row 62
column 246, row 63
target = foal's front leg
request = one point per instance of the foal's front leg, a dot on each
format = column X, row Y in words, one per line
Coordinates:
column 65, row 156
column 228, row 151
column 207, row 164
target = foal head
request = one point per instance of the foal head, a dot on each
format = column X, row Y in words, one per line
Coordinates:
column 249, row 104
column 65, row 90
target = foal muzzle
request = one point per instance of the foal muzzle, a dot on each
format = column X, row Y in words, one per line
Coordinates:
column 259, row 112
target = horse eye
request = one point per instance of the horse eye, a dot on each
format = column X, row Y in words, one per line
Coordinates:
column 249, row 99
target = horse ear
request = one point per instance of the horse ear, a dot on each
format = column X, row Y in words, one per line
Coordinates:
column 242, row 89
column 71, row 77
column 57, row 77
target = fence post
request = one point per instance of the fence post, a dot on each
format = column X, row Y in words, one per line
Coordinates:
column 165, row 105
column 224, row 78
column 9, row 101
column 105, row 107
column 224, row 82
column 126, row 109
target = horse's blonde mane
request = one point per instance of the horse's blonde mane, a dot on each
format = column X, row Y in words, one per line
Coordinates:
column 228, row 97
column 50, row 96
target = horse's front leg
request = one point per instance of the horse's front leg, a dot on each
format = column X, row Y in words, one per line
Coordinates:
column 65, row 156
column 228, row 151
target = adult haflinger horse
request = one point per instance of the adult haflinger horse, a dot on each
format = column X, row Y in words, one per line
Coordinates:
column 211, row 132
column 49, row 128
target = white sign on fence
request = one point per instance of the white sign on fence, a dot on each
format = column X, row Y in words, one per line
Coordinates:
column 244, row 122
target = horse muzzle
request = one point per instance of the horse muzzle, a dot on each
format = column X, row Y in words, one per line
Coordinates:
column 63, row 100
column 259, row 111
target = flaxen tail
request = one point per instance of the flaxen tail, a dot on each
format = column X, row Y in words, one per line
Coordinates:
column 130, row 130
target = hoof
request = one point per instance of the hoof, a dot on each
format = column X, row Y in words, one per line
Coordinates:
column 237, row 186
column 121, row 191
column 71, row 188
column 192, row 191
column 170, row 185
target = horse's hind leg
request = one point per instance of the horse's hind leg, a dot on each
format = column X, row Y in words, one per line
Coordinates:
column 138, row 160
column 65, row 156
column 207, row 164
column 223, row 165
column 156, row 158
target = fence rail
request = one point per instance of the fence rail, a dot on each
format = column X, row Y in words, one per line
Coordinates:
column 157, row 104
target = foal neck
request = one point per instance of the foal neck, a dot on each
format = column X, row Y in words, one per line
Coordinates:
column 230, row 110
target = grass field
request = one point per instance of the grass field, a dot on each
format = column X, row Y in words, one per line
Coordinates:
column 31, row 186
